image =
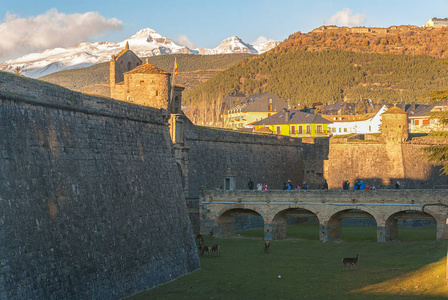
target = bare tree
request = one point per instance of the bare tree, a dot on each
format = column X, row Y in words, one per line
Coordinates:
column 18, row 70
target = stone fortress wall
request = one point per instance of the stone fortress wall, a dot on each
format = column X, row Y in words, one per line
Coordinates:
column 385, row 159
column 262, row 158
column 90, row 196
column 381, row 166
column 93, row 190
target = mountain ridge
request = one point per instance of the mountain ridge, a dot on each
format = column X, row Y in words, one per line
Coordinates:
column 145, row 43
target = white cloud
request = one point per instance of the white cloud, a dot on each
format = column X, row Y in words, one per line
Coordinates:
column 52, row 29
column 345, row 18
column 183, row 40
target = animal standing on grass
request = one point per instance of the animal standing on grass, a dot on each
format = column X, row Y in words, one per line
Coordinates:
column 204, row 249
column 266, row 246
column 199, row 239
column 348, row 261
column 216, row 250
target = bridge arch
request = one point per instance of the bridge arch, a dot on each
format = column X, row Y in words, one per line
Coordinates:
column 392, row 222
column 280, row 221
column 332, row 230
column 225, row 221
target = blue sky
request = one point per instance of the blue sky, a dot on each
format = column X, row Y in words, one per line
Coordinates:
column 29, row 26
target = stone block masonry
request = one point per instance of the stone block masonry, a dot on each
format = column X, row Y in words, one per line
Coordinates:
column 264, row 158
column 91, row 201
column 381, row 165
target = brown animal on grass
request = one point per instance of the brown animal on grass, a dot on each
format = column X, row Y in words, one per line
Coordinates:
column 204, row 249
column 266, row 246
column 348, row 261
column 199, row 239
column 216, row 250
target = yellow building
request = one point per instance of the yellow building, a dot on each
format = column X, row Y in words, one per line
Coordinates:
column 294, row 123
column 253, row 108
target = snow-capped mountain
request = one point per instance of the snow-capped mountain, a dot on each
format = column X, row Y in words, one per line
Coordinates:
column 230, row 45
column 144, row 43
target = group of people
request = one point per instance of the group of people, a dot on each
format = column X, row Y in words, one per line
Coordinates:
column 358, row 185
column 260, row 186
column 288, row 186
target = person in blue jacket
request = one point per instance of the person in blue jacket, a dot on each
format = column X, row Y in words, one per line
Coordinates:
column 362, row 185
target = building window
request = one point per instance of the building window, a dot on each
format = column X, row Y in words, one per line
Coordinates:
column 292, row 130
column 269, row 114
column 129, row 66
column 319, row 128
column 278, row 130
column 345, row 129
column 425, row 122
column 370, row 128
column 308, row 129
column 333, row 129
column 157, row 93
column 270, row 100
column 417, row 122
column 340, row 129
column 300, row 131
column 270, row 107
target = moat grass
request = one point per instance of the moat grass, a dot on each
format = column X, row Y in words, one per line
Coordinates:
column 309, row 269
column 310, row 231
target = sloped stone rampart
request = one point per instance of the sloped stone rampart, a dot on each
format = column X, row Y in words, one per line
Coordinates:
column 91, row 201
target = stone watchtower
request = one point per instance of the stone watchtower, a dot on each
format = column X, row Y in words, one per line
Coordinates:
column 142, row 84
column 394, row 132
column 149, row 86
column 123, row 62
column 395, row 125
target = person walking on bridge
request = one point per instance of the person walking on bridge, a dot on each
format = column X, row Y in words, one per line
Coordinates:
column 250, row 184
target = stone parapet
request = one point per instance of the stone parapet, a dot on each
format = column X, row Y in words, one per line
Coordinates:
column 36, row 92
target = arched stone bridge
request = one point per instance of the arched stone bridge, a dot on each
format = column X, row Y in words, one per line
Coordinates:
column 218, row 210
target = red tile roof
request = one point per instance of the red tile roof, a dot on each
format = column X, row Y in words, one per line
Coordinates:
column 147, row 69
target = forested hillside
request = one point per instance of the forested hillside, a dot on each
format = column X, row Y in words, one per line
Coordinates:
column 337, row 65
column 192, row 70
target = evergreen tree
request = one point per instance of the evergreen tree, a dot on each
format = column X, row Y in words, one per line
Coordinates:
column 439, row 153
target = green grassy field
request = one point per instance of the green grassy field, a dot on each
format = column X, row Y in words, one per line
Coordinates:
column 309, row 269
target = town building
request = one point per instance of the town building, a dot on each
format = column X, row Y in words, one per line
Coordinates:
column 436, row 23
column 422, row 118
column 252, row 109
column 294, row 123
column 357, row 124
